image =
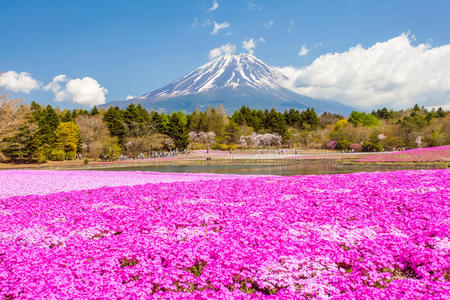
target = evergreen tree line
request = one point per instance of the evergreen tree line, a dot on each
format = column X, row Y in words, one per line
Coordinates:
column 39, row 133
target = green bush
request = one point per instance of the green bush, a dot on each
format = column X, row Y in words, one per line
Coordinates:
column 70, row 155
column 86, row 161
column 40, row 155
column 372, row 147
column 56, row 155
column 368, row 120
column 343, row 145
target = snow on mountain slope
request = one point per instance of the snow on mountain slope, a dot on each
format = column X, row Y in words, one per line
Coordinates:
column 231, row 80
column 226, row 71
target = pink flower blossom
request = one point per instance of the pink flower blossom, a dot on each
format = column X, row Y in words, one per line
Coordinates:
column 348, row 236
column 415, row 155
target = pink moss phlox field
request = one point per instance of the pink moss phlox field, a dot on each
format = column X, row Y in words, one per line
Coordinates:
column 32, row 182
column 415, row 155
column 352, row 236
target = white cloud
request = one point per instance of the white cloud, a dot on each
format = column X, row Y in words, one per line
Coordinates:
column 219, row 26
column 262, row 40
column 130, row 97
column 393, row 73
column 214, row 6
column 222, row 50
column 86, row 91
column 303, row 51
column 18, row 82
column 291, row 25
column 249, row 45
column 268, row 24
column 194, row 23
column 54, row 85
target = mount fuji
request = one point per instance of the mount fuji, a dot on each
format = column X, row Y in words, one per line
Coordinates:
column 231, row 80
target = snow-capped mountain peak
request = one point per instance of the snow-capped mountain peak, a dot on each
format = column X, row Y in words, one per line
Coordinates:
column 232, row 80
column 230, row 70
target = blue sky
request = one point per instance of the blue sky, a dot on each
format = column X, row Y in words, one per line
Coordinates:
column 133, row 47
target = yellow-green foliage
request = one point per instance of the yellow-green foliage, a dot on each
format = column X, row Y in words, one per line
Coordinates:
column 340, row 124
column 67, row 137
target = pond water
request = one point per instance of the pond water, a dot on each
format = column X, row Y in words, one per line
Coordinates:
column 304, row 168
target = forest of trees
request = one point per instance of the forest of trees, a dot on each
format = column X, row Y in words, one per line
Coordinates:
column 37, row 133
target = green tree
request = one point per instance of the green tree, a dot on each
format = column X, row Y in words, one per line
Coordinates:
column 23, row 145
column 248, row 117
column 275, row 122
column 441, row 113
column 94, row 111
column 178, row 131
column 37, row 111
column 310, row 119
column 67, row 117
column 232, row 133
column 411, row 126
column 373, row 145
column 293, row 118
column 67, row 138
column 115, row 122
column 195, row 121
column 342, row 139
column 357, row 118
column 340, row 124
column 47, row 121
column 159, row 122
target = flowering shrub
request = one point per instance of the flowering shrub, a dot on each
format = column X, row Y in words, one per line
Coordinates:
column 419, row 155
column 356, row 147
column 362, row 235
column 207, row 138
column 261, row 140
column 331, row 144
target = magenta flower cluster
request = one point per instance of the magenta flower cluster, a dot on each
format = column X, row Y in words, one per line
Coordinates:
column 352, row 236
column 441, row 153
column 30, row 182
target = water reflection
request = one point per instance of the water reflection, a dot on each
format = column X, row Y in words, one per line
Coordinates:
column 303, row 168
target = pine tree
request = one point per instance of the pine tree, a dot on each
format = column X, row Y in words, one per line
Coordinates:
column 178, row 130
column 441, row 113
column 67, row 117
column 47, row 122
column 23, row 145
column 311, row 119
column 74, row 114
column 115, row 122
column 37, row 112
column 94, row 111
column 157, row 121
column 232, row 133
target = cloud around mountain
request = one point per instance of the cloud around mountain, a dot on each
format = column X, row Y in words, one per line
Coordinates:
column 222, row 50
column 395, row 73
